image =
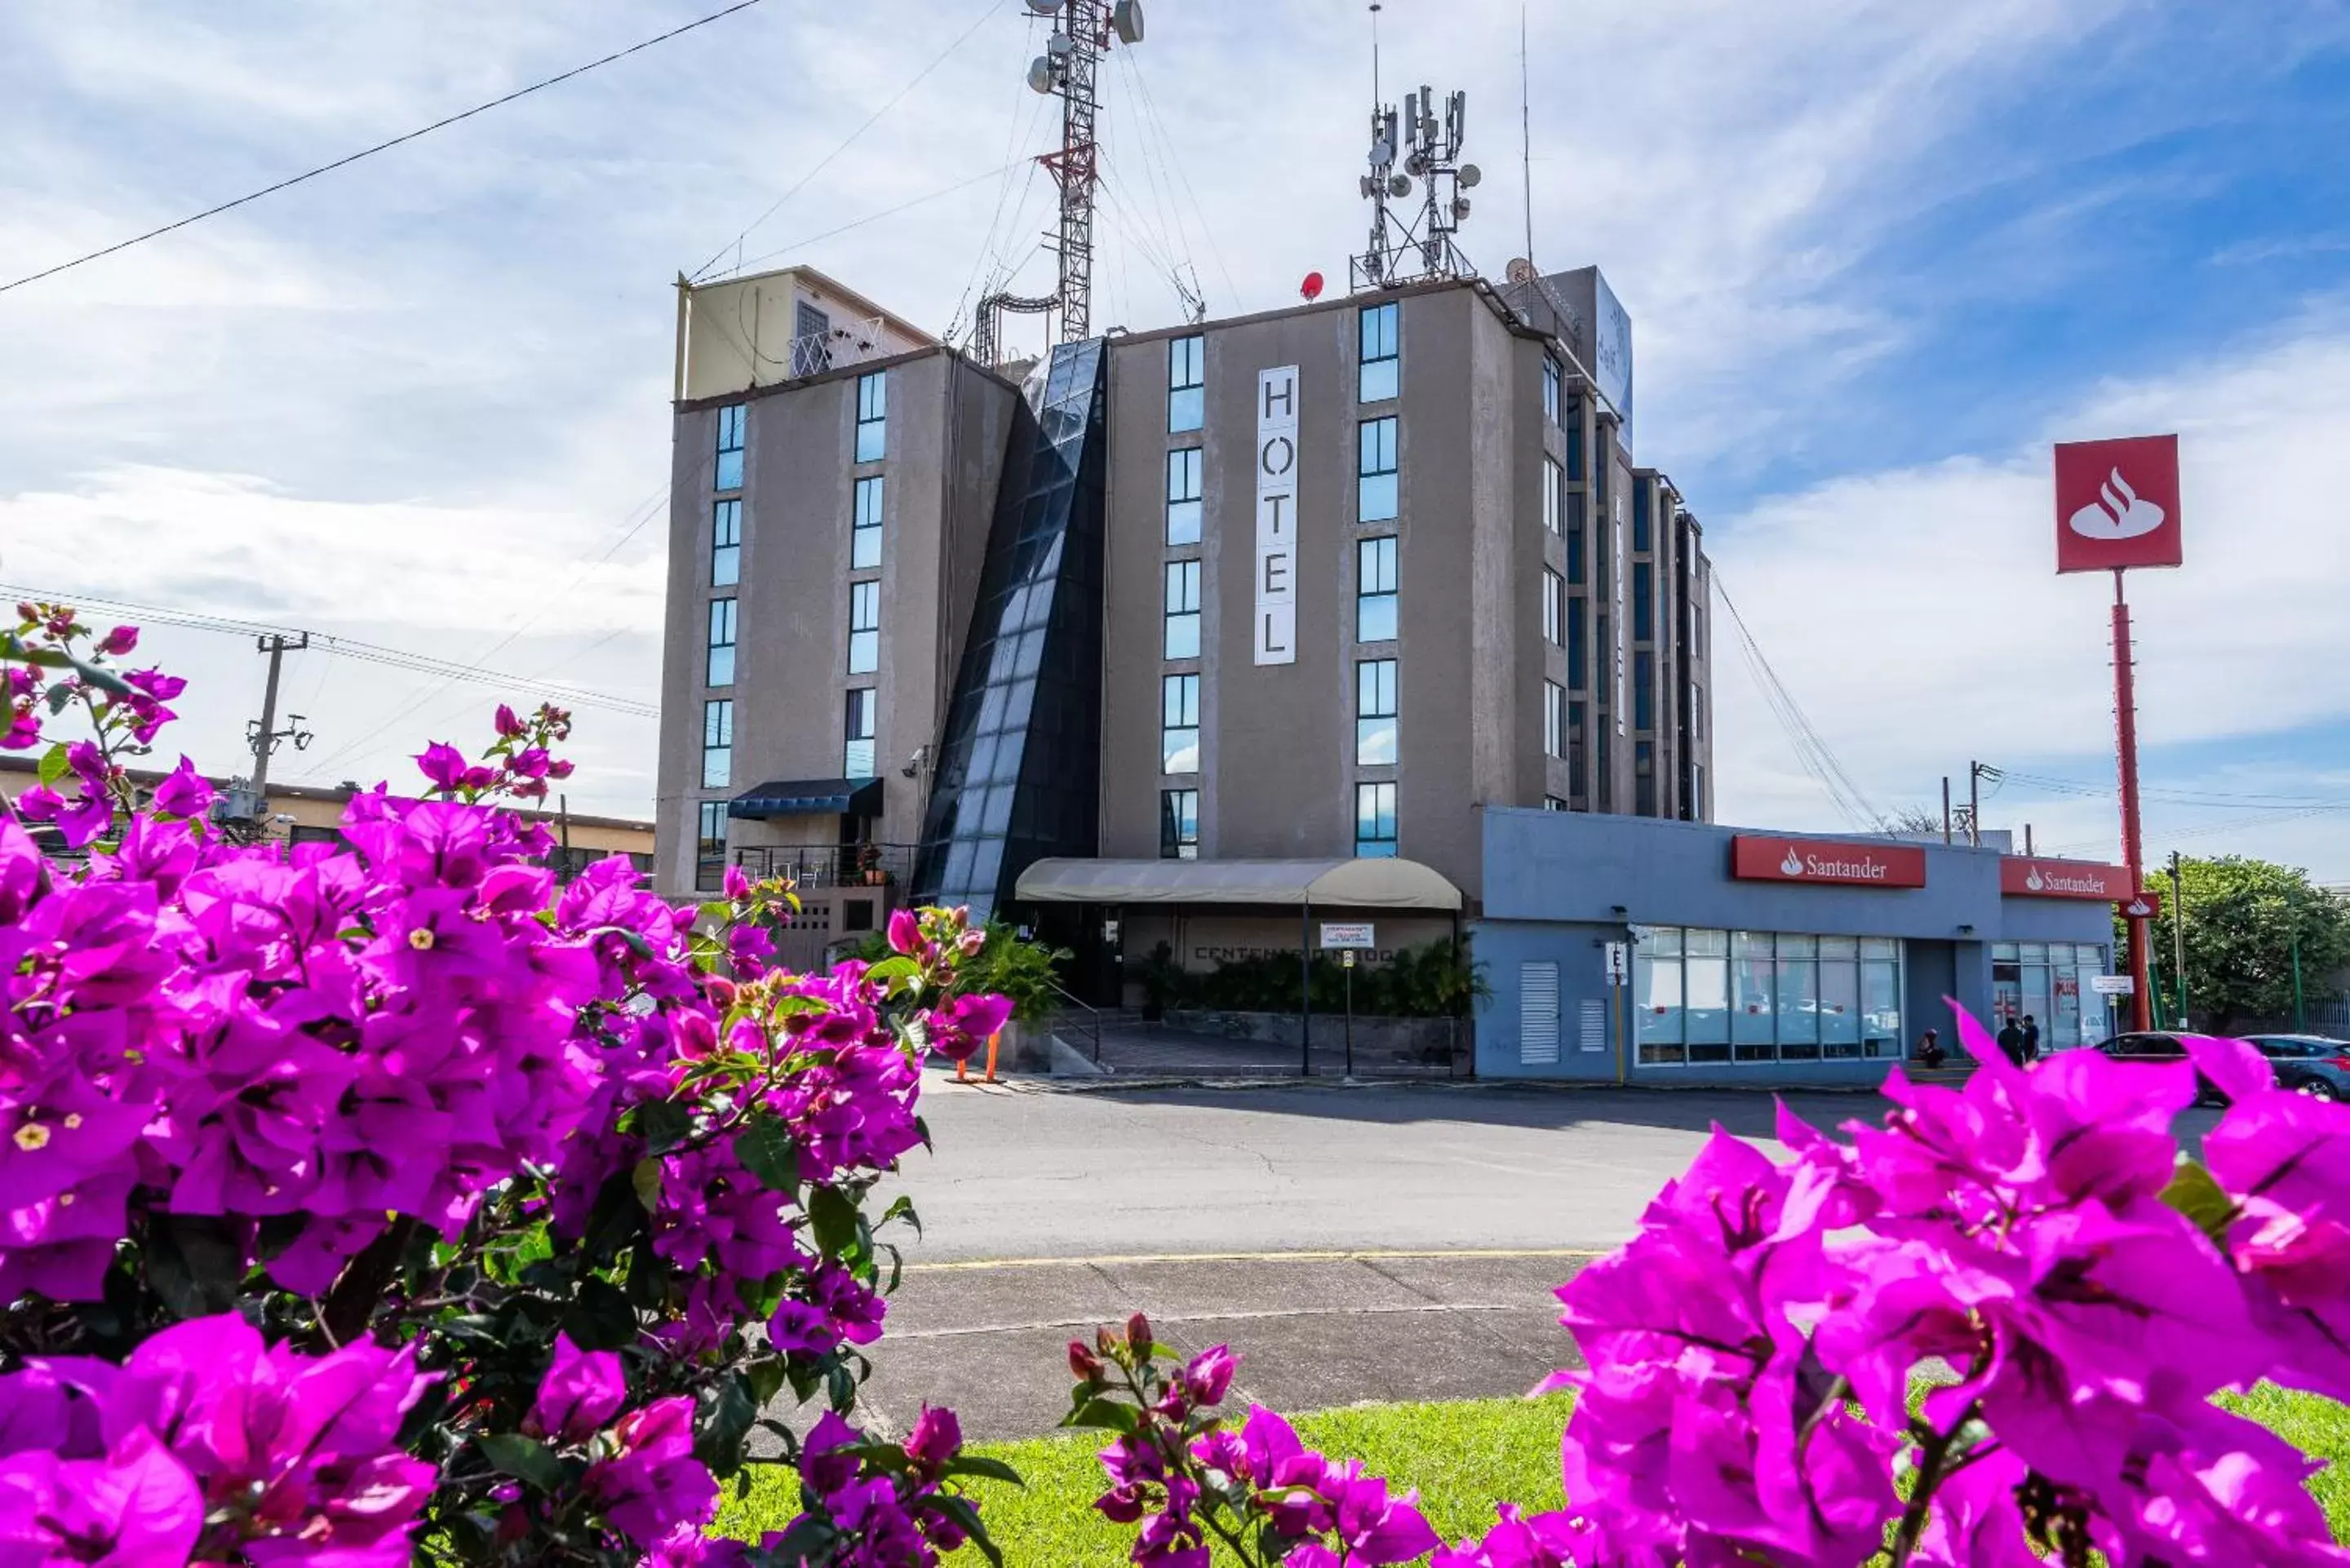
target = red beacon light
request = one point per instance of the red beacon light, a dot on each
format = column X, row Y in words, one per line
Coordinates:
column 1312, row 288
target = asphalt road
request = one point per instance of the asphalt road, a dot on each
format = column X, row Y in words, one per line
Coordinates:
column 1033, row 1173
column 1364, row 1244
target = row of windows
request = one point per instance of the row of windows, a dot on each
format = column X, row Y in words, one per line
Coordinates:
column 861, row 723
column 1374, row 822
column 872, row 440
column 1377, row 477
column 864, row 535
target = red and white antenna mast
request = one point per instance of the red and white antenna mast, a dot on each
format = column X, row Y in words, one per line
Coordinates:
column 1083, row 32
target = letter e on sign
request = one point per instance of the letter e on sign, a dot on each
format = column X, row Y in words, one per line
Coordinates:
column 2117, row 503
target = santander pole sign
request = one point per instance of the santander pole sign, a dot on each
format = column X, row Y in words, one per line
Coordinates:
column 1755, row 858
column 2117, row 503
column 2021, row 877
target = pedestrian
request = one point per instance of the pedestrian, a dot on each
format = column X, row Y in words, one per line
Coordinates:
column 2031, row 1039
column 1930, row 1052
column 2011, row 1039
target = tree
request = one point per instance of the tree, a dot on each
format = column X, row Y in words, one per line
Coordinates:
column 2241, row 917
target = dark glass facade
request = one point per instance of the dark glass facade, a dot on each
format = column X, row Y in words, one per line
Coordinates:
column 1019, row 772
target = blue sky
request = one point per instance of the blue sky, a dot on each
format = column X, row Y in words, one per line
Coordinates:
column 1878, row 256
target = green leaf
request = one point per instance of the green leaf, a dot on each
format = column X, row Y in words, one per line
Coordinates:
column 1106, row 1415
column 833, row 1216
column 618, row 1215
column 901, row 1208
column 981, row 1465
column 511, row 1454
column 646, row 1181
column 766, row 1151
column 961, row 1510
column 664, row 1125
column 723, row 1414
column 601, row 1318
column 195, row 1263
column 55, row 764
column 765, row 1376
column 58, row 696
column 2194, row 1193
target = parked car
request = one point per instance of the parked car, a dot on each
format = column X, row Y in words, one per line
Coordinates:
column 2312, row 1064
column 2159, row 1045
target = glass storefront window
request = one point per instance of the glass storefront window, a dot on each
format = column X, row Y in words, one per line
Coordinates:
column 1707, row 996
column 1754, row 1024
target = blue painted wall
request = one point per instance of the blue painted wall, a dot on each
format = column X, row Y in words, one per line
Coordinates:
column 1554, row 881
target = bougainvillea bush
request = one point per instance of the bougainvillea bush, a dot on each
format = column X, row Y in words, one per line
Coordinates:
column 2029, row 1251
column 384, row 1202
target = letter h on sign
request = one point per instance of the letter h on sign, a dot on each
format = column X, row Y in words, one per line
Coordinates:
column 1274, row 632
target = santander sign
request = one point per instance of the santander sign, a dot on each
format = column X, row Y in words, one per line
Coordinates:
column 1757, row 857
column 2022, row 877
column 2117, row 503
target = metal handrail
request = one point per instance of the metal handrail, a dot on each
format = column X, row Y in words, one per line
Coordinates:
column 829, row 866
column 1093, row 1016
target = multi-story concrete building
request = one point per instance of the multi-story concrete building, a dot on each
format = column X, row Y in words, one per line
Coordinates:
column 1313, row 584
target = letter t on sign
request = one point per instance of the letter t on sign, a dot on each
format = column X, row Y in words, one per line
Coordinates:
column 1276, row 516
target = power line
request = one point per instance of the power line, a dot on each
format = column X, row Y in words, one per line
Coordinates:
column 870, row 121
column 379, row 146
column 805, row 241
column 1811, row 750
column 348, row 648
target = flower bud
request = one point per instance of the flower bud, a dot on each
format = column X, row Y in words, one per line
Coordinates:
column 1084, row 1365
column 1137, row 1332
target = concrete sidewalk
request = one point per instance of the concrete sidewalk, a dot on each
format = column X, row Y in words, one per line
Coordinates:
column 1314, row 1330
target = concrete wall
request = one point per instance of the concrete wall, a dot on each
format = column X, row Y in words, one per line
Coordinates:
column 738, row 334
column 948, row 422
column 1555, row 882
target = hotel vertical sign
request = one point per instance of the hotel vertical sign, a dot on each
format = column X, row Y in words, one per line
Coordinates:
column 1274, row 631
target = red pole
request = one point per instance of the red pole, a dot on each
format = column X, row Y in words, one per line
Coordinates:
column 2133, row 851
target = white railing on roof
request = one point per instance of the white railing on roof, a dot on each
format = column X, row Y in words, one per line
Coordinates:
column 842, row 344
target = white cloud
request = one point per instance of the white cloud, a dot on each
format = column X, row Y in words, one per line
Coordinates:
column 1916, row 613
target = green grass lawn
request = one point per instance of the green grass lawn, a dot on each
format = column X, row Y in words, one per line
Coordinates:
column 1463, row 1457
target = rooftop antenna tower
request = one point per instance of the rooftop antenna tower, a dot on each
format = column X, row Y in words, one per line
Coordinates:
column 1414, row 145
column 1083, row 31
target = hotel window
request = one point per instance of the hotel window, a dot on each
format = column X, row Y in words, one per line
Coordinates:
column 1187, row 380
column 1574, row 440
column 1179, row 825
column 1577, row 656
column 1554, row 591
column 1375, row 589
column 1178, row 724
column 872, row 416
column 1576, row 783
column 1643, row 497
column 1375, row 820
column 1181, row 618
column 1374, row 712
column 1375, row 470
column 1644, row 696
column 710, row 846
column 725, row 544
column 1644, row 778
column 717, row 742
column 1183, row 495
column 727, row 472
column 1552, row 802
column 1553, row 497
column 1553, row 720
column 857, row 748
column 1550, row 388
column 1697, row 713
column 1377, row 381
column 1575, row 536
column 720, row 671
column 865, row 525
column 864, row 627
column 1644, row 609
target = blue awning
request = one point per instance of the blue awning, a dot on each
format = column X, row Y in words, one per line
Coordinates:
column 809, row 797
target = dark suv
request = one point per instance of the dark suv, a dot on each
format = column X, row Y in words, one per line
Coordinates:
column 2312, row 1064
column 2159, row 1045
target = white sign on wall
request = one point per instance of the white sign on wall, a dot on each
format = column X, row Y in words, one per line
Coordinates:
column 1348, row 936
column 1275, row 621
column 2113, row 984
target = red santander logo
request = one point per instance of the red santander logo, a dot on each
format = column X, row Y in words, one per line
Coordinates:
column 2117, row 503
column 1755, row 858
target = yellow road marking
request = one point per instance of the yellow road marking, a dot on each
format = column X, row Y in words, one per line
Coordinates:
column 1353, row 1255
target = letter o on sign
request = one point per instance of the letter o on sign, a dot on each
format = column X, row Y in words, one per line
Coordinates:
column 1265, row 464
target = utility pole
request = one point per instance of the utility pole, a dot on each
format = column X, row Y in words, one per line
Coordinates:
column 263, row 734
column 2179, row 936
column 1974, row 805
column 1945, row 808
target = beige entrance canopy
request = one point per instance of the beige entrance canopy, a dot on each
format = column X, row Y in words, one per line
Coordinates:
column 1380, row 884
